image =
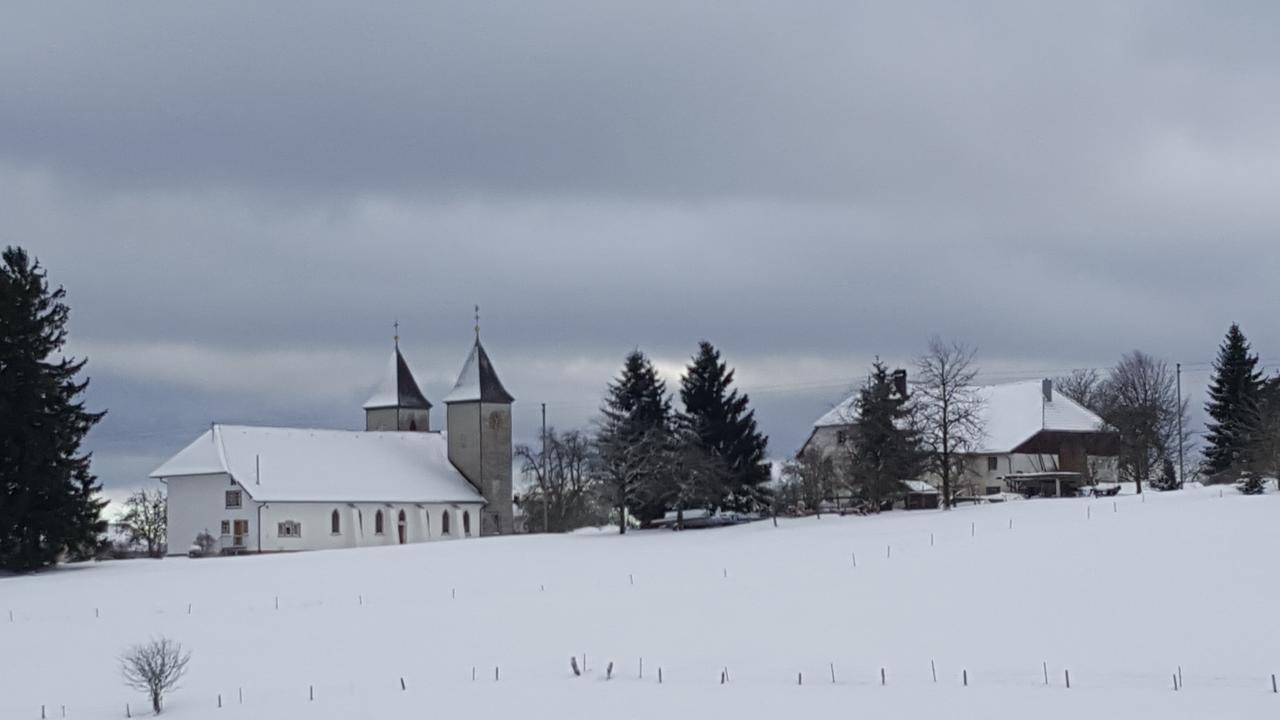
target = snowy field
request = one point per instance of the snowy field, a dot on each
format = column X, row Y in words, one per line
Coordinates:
column 1119, row 594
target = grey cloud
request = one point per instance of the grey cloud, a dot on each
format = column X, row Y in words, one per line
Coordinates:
column 231, row 191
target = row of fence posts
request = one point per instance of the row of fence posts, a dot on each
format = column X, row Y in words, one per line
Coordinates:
column 724, row 680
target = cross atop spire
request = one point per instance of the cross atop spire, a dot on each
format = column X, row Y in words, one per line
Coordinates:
column 477, row 323
column 396, row 325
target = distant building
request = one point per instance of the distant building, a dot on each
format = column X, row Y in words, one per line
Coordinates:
column 1029, row 430
column 398, row 481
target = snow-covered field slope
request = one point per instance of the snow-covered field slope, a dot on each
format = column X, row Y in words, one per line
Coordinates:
column 1120, row 595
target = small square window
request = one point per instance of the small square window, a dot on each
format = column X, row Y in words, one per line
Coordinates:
column 993, row 463
column 842, row 437
column 233, row 499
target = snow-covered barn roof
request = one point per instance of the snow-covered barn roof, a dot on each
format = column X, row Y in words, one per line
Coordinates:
column 478, row 380
column 398, row 388
column 1012, row 413
column 920, row 487
column 304, row 465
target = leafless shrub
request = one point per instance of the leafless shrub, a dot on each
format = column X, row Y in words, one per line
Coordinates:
column 154, row 667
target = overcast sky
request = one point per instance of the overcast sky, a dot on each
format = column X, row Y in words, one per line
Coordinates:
column 241, row 197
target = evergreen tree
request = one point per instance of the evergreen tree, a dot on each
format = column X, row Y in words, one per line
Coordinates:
column 884, row 447
column 633, row 438
column 48, row 496
column 1233, row 404
column 727, row 429
column 1265, row 452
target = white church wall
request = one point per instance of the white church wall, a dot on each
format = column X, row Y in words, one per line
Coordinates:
column 358, row 524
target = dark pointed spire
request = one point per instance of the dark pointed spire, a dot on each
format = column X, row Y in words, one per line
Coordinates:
column 398, row 387
column 478, row 380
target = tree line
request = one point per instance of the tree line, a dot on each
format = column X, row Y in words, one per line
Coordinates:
column 1139, row 399
column 646, row 459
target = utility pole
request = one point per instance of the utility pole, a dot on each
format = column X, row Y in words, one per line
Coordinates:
column 1181, row 474
column 546, row 525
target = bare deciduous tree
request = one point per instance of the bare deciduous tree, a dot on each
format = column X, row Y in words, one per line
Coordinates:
column 155, row 667
column 146, row 516
column 692, row 476
column 628, row 465
column 562, row 494
column 1084, row 386
column 949, row 410
column 1140, row 400
column 811, row 475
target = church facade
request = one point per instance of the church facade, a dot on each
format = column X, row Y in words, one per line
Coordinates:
column 398, row 481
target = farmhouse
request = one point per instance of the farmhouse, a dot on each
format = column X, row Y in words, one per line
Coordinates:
column 1029, row 430
column 270, row 489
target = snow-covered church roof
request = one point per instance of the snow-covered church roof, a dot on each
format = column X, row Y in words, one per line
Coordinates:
column 478, row 380
column 1012, row 413
column 303, row 465
column 398, row 388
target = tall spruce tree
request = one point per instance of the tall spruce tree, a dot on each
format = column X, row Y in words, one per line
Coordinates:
column 1265, row 453
column 1234, row 394
column 634, row 438
column 884, row 447
column 727, row 429
column 48, row 496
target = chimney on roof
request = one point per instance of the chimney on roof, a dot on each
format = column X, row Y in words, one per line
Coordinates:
column 1046, row 387
column 900, row 381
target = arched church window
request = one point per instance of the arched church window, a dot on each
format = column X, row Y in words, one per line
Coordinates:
column 335, row 523
column 444, row 523
column 402, row 529
column 377, row 523
column 466, row 523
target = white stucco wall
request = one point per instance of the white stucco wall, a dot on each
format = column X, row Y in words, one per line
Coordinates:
column 197, row 504
column 358, row 524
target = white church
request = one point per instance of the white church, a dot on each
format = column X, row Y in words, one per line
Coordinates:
column 276, row 489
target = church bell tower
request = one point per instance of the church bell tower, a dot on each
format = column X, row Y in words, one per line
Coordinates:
column 478, row 417
column 398, row 403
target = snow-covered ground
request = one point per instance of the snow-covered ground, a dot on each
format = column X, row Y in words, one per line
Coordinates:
column 1120, row 594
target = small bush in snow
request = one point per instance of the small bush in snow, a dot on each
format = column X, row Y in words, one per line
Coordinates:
column 155, row 668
